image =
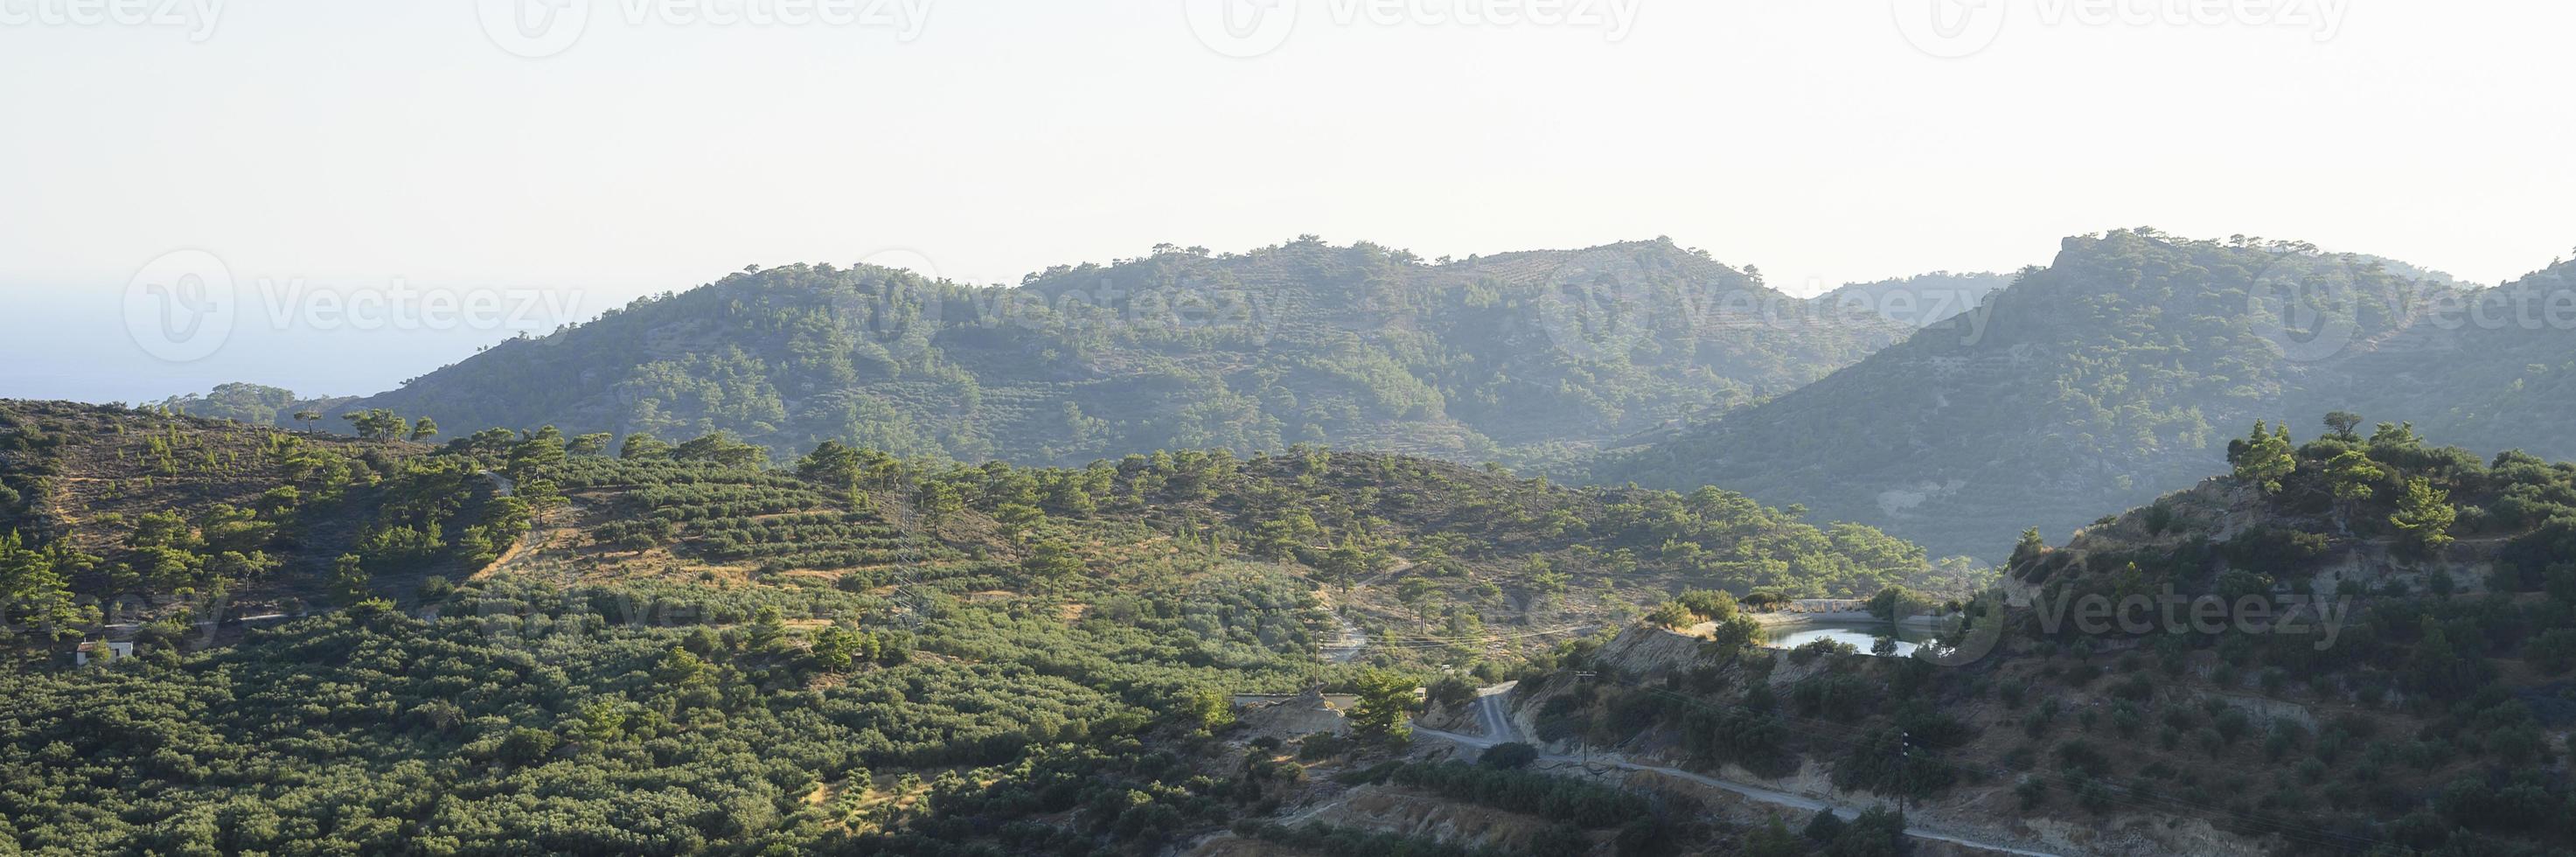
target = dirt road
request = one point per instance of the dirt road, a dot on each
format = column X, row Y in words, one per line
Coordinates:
column 1492, row 712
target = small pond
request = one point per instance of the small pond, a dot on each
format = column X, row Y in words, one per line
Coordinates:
column 1859, row 634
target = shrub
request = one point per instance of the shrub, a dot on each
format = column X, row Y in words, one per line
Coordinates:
column 1512, row 755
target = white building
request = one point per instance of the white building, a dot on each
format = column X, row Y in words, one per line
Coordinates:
column 102, row 651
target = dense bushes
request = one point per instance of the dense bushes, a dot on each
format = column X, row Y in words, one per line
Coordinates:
column 660, row 720
column 1015, row 629
column 1572, row 801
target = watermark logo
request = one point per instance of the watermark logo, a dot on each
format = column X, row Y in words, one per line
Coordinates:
column 181, row 307
column 1243, row 29
column 1953, row 29
column 1591, row 312
column 185, row 305
column 1949, row 29
column 2307, row 306
column 1965, row 639
column 196, row 17
column 536, row 29
column 1970, row 637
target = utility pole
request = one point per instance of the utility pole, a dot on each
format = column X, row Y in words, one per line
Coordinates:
column 1905, row 776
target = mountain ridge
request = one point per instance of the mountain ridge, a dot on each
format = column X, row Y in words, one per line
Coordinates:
column 1522, row 356
column 2105, row 378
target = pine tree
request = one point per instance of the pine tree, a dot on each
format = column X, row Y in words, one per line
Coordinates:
column 2265, row 458
column 34, row 591
column 2350, row 476
column 1385, row 705
column 641, row 445
column 2424, row 517
column 2032, row 545
column 831, row 464
column 348, row 578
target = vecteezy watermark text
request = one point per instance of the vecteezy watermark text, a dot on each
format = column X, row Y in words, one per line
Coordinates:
column 185, row 305
column 2314, row 307
column 1186, row 305
column 1951, row 29
column 1251, row 28
column 1597, row 306
column 543, row 28
column 1191, row 301
column 2172, row 612
column 397, row 305
column 197, row 17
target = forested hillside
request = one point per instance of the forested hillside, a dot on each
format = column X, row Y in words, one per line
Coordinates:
column 668, row 648
column 1518, row 356
column 2414, row 708
column 127, row 502
column 2491, row 371
column 2115, row 374
column 2356, row 644
column 135, row 512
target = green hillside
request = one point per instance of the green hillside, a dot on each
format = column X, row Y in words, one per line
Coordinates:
column 2115, row 374
column 2491, row 370
column 533, row 640
column 2357, row 644
column 1518, row 356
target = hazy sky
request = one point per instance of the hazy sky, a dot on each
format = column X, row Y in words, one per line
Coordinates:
column 357, row 143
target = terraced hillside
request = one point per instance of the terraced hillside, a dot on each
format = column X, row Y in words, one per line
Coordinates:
column 140, row 511
column 680, row 649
